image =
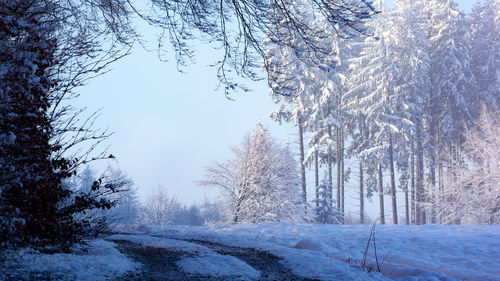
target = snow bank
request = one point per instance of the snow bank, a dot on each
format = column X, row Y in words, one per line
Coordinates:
column 99, row 260
column 430, row 252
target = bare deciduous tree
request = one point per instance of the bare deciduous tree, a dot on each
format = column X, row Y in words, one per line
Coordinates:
column 160, row 208
column 472, row 193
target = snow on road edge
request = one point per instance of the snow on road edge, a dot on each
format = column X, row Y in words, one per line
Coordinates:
column 98, row 260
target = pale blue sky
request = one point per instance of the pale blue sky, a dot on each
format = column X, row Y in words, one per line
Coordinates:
column 169, row 126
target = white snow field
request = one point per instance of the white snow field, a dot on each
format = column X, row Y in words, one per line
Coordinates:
column 333, row 252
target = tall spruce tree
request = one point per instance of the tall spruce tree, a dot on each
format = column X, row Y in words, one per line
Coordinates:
column 371, row 88
column 484, row 31
column 411, row 87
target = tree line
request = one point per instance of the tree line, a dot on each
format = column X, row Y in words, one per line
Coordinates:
column 159, row 207
column 399, row 99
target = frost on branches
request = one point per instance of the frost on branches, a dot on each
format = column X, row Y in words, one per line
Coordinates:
column 261, row 183
column 473, row 190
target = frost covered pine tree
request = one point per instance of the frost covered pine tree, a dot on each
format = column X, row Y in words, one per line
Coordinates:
column 125, row 200
column 484, row 25
column 371, row 88
column 450, row 73
column 287, row 76
column 411, row 84
column 261, row 183
column 453, row 95
column 308, row 86
column 326, row 211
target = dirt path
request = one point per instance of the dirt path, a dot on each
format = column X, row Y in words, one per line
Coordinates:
column 160, row 264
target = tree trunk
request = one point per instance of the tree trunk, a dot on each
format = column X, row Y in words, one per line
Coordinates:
column 407, row 218
column 302, row 166
column 441, row 188
column 440, row 175
column 338, row 167
column 381, row 194
column 412, row 180
column 316, row 176
column 393, row 182
column 330, row 171
column 432, row 171
column 342, row 182
column 361, row 182
column 237, row 211
column 420, row 177
column 361, row 195
column 432, row 186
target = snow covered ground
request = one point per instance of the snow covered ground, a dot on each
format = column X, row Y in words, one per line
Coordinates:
column 98, row 260
column 332, row 252
column 325, row 252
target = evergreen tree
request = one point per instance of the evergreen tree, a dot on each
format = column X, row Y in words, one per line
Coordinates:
column 289, row 81
column 484, row 26
column 450, row 73
column 371, row 90
column 412, row 83
column 325, row 211
column 125, row 200
column 309, row 88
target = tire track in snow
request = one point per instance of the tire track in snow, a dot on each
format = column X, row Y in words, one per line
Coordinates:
column 162, row 263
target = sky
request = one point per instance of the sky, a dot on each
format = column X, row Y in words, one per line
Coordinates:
column 169, row 126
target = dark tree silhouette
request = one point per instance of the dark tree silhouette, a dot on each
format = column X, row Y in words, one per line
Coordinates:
column 35, row 207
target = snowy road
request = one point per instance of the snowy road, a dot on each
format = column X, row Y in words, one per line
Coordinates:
column 199, row 260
